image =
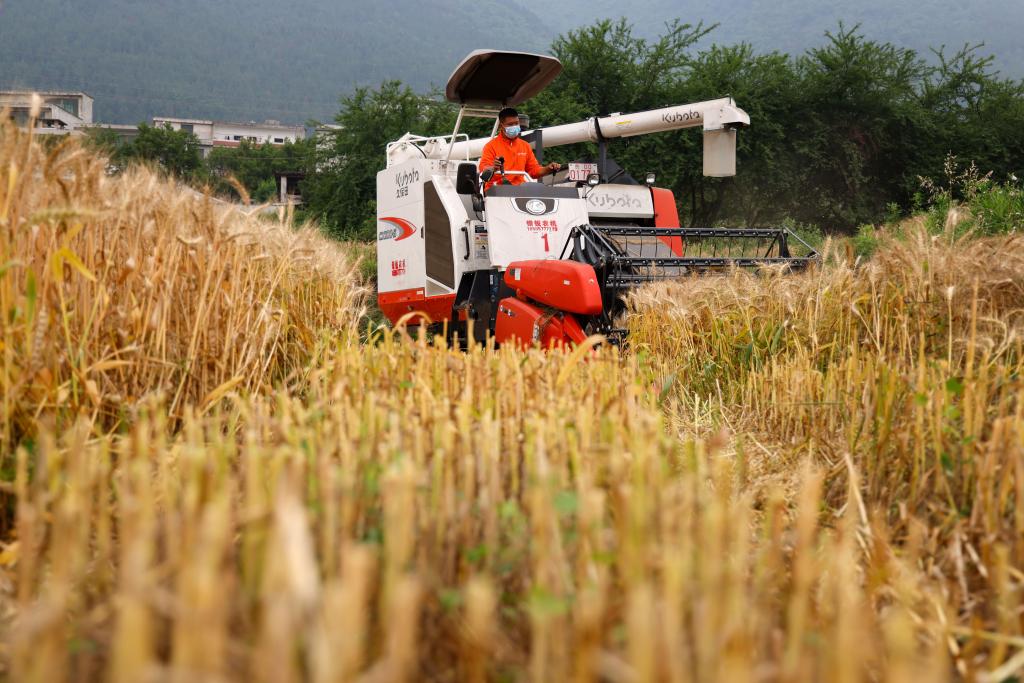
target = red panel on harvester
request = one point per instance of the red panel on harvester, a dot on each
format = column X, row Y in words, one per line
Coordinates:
column 666, row 215
column 523, row 323
column 394, row 305
column 565, row 285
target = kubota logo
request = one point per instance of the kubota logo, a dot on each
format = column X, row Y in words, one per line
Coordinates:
column 403, row 181
column 398, row 229
column 406, row 178
column 680, row 116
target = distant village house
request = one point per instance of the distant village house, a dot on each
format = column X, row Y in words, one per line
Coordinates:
column 71, row 113
column 60, row 112
column 213, row 134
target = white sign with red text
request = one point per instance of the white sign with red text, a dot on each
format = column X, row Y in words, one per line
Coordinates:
column 578, row 172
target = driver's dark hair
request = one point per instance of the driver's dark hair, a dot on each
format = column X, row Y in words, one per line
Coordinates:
column 506, row 113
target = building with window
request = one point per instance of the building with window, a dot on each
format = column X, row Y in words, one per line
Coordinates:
column 60, row 113
column 213, row 134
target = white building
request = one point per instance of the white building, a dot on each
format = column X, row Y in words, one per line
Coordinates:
column 59, row 112
column 213, row 134
column 201, row 128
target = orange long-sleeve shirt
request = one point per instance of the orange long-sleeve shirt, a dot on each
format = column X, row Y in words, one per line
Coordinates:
column 518, row 155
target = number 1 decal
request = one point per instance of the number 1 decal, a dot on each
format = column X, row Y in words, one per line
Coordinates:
column 544, row 237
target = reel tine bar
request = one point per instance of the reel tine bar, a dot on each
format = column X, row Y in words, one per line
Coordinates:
column 627, row 256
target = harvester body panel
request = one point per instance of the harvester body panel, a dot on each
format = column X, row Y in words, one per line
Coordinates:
column 620, row 202
column 563, row 285
column 524, row 324
column 531, row 221
column 400, row 256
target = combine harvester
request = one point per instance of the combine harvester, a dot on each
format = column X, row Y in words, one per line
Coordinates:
column 547, row 262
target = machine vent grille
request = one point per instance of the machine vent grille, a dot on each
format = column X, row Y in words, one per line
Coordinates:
column 438, row 238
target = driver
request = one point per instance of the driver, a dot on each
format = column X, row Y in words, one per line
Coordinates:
column 516, row 152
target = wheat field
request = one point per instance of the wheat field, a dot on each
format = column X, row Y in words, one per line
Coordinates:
column 214, row 470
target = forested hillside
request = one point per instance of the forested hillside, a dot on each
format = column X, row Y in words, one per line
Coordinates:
column 260, row 59
column 243, row 59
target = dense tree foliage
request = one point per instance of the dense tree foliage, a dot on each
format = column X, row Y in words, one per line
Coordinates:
column 838, row 134
column 253, row 167
column 793, row 26
column 341, row 191
column 175, row 151
column 226, row 171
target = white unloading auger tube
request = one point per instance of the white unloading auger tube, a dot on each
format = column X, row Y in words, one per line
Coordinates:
column 719, row 118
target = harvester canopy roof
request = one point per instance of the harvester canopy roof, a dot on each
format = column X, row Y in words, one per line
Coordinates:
column 493, row 78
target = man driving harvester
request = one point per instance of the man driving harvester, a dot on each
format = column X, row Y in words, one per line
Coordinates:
column 507, row 152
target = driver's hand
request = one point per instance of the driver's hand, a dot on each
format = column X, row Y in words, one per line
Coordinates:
column 554, row 166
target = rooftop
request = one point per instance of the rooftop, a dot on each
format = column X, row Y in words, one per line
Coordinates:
column 48, row 93
column 265, row 124
column 112, row 126
column 177, row 119
column 277, row 125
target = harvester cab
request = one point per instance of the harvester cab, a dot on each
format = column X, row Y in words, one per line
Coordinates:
column 544, row 262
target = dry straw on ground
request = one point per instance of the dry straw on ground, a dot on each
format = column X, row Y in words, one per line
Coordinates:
column 813, row 477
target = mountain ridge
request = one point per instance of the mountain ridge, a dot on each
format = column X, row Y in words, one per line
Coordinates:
column 255, row 59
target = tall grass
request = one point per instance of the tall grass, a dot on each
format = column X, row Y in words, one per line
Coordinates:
column 963, row 203
column 432, row 515
column 782, row 478
column 117, row 288
column 901, row 377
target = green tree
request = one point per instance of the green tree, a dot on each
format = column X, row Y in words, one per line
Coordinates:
column 340, row 191
column 105, row 141
column 860, row 126
column 607, row 69
column 175, row 151
column 765, row 86
column 976, row 115
column 254, row 166
column 837, row 134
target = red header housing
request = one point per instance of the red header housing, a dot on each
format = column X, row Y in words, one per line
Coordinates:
column 566, row 285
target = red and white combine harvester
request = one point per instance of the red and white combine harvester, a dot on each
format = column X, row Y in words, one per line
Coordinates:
column 545, row 262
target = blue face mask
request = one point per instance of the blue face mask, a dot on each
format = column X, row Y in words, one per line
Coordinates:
column 513, row 132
